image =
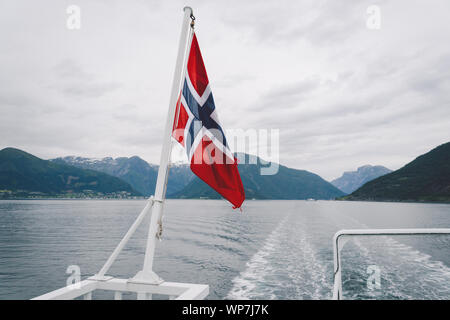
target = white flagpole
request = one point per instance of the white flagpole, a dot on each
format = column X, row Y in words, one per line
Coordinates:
column 147, row 275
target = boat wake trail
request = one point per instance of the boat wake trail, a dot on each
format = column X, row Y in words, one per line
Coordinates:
column 253, row 277
column 286, row 267
column 296, row 262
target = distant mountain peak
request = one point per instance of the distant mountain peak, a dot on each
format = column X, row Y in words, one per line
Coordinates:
column 370, row 167
column 180, row 163
column 352, row 180
column 12, row 150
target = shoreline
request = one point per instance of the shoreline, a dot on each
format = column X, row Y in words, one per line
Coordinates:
column 146, row 198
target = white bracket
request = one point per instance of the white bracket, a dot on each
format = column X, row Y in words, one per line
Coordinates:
column 146, row 277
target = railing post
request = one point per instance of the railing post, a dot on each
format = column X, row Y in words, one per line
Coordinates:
column 88, row 296
column 337, row 285
column 140, row 296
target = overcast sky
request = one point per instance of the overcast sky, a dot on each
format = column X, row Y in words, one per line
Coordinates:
column 341, row 94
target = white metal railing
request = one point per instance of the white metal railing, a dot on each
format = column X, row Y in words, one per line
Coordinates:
column 341, row 237
column 144, row 291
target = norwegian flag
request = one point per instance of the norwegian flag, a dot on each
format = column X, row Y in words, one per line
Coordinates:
column 197, row 128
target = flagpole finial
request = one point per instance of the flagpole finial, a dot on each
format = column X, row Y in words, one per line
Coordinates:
column 190, row 9
column 191, row 16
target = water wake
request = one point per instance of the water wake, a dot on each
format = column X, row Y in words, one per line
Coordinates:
column 286, row 267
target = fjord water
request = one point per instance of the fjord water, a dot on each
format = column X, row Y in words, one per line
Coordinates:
column 272, row 250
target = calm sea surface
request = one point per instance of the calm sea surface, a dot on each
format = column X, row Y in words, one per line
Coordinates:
column 272, row 250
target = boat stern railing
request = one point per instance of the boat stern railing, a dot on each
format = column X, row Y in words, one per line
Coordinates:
column 143, row 291
column 341, row 237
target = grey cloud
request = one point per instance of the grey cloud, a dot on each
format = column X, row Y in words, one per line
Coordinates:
column 13, row 99
column 70, row 69
column 287, row 96
column 89, row 90
column 341, row 95
column 284, row 22
column 72, row 79
column 435, row 76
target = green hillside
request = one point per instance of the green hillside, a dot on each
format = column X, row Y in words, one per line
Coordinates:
column 427, row 178
column 24, row 175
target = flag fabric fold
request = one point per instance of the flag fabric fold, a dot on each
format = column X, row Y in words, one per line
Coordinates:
column 197, row 128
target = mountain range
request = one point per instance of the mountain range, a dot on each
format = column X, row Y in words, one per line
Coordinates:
column 134, row 170
column 24, row 175
column 352, row 180
column 427, row 178
column 287, row 183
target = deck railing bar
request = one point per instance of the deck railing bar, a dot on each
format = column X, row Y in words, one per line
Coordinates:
column 144, row 291
column 337, row 246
